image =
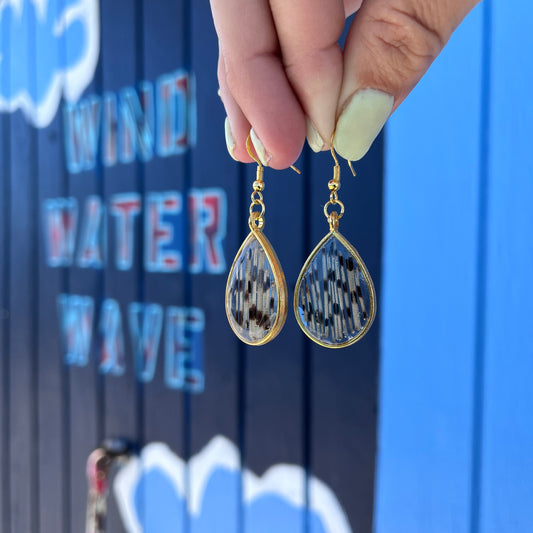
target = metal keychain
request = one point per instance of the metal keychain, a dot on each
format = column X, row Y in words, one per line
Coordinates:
column 99, row 467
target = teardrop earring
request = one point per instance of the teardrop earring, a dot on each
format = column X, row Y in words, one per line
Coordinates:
column 256, row 291
column 334, row 299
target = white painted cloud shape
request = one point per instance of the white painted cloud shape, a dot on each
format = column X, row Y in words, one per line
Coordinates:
column 48, row 49
column 283, row 482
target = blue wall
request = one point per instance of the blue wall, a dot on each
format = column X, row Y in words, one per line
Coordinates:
column 455, row 426
column 455, row 423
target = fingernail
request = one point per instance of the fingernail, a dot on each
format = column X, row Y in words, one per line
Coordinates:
column 262, row 154
column 361, row 121
column 230, row 141
column 314, row 139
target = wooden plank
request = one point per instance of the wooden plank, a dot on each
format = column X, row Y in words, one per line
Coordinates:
column 429, row 310
column 122, row 275
column 5, row 220
column 274, row 373
column 506, row 466
column 84, row 384
column 22, row 328
column 85, row 280
column 4, row 323
column 52, row 445
column 161, row 50
column 343, row 382
column 4, row 326
column 23, row 285
column 163, row 174
column 215, row 186
column 51, row 373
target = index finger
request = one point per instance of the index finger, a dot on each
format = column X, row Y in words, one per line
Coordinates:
column 255, row 76
column 308, row 32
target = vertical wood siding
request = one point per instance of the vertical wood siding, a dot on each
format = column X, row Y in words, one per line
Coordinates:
column 455, row 408
column 289, row 402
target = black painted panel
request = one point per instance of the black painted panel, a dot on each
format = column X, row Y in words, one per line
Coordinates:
column 23, row 313
column 287, row 402
column 344, row 382
column 85, row 390
column 121, row 287
column 216, row 410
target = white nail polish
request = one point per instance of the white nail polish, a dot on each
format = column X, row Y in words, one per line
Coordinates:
column 361, row 121
column 314, row 139
column 230, row 141
column 262, row 154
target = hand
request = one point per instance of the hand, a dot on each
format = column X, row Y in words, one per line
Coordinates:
column 283, row 76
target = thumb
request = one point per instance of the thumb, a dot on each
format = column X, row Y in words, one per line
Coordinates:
column 389, row 47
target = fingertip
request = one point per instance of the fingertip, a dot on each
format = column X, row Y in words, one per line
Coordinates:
column 360, row 122
column 236, row 127
column 230, row 141
column 241, row 155
column 236, row 140
column 314, row 139
column 278, row 151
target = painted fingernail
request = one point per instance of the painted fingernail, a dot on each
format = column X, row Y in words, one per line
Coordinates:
column 314, row 139
column 230, row 141
column 360, row 122
column 262, row 154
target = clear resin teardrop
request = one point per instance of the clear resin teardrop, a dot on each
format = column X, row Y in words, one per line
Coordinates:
column 334, row 300
column 256, row 292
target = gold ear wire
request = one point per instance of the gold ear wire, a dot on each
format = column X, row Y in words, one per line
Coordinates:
column 256, row 159
column 250, row 153
column 335, row 156
column 332, row 150
column 295, row 169
column 334, row 184
column 259, row 171
column 351, row 168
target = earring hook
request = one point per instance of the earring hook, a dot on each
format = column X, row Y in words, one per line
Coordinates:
column 333, row 154
column 332, row 148
column 336, row 168
column 250, row 153
column 256, row 159
column 259, row 171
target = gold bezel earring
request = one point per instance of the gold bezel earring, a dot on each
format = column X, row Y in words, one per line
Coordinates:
column 256, row 290
column 334, row 299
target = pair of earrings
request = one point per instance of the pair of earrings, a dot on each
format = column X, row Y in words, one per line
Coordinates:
column 334, row 299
